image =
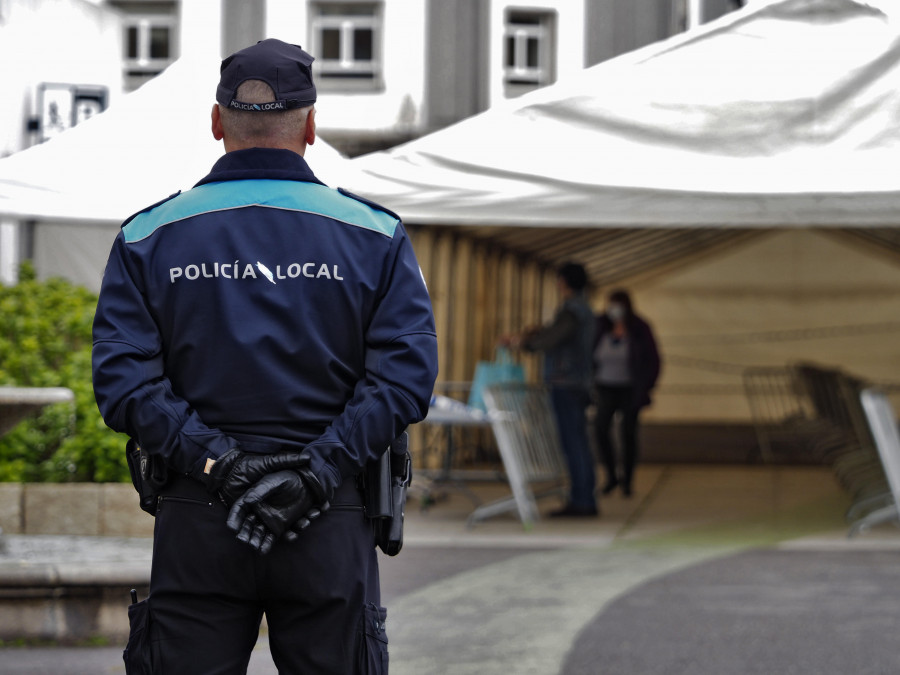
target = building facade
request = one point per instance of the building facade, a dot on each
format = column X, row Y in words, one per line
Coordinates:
column 387, row 70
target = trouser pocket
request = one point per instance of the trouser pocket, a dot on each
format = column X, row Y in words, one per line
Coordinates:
column 137, row 656
column 373, row 656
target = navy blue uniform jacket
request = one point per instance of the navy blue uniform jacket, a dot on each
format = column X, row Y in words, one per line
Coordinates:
column 264, row 309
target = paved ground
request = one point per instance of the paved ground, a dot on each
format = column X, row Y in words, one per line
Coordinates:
column 760, row 611
column 706, row 570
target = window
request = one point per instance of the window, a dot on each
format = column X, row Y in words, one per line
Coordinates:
column 528, row 51
column 346, row 41
column 149, row 47
column 62, row 106
column 688, row 14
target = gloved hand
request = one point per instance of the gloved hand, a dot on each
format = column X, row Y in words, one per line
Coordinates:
column 279, row 504
column 255, row 533
column 294, row 532
column 235, row 472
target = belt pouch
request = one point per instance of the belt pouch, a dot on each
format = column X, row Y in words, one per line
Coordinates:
column 137, row 656
column 378, row 488
column 148, row 475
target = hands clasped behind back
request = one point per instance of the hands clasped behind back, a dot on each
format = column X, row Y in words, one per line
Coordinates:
column 269, row 496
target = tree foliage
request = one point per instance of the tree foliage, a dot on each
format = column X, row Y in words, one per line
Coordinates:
column 45, row 341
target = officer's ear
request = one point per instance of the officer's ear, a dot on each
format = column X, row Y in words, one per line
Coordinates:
column 217, row 131
column 310, row 132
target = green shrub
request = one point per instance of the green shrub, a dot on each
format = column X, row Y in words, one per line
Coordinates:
column 45, row 341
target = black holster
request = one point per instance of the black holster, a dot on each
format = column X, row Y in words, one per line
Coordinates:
column 149, row 475
column 385, row 484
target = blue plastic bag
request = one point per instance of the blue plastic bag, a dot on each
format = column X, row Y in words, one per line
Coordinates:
column 501, row 369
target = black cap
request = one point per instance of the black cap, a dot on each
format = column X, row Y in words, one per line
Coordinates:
column 284, row 67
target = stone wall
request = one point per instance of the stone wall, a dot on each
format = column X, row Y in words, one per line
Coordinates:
column 65, row 593
column 92, row 509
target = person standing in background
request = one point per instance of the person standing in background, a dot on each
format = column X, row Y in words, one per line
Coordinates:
column 626, row 367
column 566, row 343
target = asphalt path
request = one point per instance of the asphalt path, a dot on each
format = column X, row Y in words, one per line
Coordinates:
column 813, row 612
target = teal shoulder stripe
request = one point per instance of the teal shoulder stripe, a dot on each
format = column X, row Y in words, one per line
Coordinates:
column 276, row 194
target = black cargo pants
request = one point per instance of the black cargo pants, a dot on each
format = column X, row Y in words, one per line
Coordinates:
column 208, row 591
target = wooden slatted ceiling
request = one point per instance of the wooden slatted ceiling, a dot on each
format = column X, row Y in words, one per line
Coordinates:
column 610, row 255
column 885, row 238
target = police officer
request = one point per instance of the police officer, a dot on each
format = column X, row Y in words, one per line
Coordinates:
column 264, row 336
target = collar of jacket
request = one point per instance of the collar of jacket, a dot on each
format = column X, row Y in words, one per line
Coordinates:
column 256, row 163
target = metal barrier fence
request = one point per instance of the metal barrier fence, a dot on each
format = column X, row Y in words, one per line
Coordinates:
column 783, row 416
column 815, row 413
column 528, row 441
column 883, row 424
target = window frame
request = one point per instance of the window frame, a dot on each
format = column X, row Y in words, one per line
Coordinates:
column 144, row 65
column 347, row 73
column 520, row 77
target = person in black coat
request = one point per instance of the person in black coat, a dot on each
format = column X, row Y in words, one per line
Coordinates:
column 626, row 367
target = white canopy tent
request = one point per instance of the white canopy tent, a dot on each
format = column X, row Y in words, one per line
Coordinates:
column 784, row 113
column 739, row 179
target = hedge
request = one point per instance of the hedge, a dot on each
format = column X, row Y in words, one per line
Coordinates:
column 45, row 341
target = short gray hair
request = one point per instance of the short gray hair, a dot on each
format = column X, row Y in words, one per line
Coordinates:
column 266, row 129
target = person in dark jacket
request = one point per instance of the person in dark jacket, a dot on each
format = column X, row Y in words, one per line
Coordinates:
column 626, row 367
column 566, row 343
column 265, row 337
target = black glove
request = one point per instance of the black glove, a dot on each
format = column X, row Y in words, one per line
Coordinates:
column 279, row 503
column 253, row 531
column 235, row 472
column 297, row 528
